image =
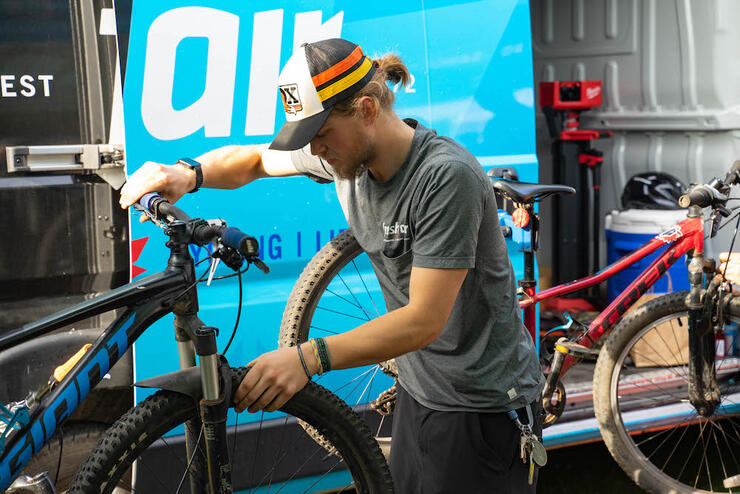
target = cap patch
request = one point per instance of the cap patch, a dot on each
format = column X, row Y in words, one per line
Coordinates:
column 291, row 98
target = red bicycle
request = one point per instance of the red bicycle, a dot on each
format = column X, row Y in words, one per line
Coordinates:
column 667, row 402
column 665, row 395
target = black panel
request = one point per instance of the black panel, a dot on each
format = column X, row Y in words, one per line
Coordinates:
column 36, row 39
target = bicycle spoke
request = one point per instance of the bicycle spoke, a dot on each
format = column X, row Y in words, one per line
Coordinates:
column 257, row 442
column 362, row 279
column 655, row 436
column 349, row 302
column 316, row 482
column 324, row 330
column 190, row 462
column 676, row 356
column 665, row 464
column 342, row 313
column 698, row 472
column 724, row 434
column 729, row 448
column 369, row 385
column 650, row 388
column 233, row 447
column 656, row 352
column 322, row 478
column 680, row 474
column 171, row 449
column 341, row 278
column 371, row 369
column 719, row 454
column 284, row 455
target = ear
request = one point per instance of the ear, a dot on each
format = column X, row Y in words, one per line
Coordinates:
column 368, row 110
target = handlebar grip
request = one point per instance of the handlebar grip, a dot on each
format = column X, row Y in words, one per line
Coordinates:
column 237, row 239
column 148, row 200
column 699, row 196
column 160, row 207
column 735, row 166
column 733, row 176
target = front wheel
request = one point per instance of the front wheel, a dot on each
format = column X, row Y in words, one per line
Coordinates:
column 642, row 406
column 266, row 457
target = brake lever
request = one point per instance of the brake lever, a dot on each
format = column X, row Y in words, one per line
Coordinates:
column 260, row 265
column 723, row 211
column 152, row 216
column 229, row 256
column 716, row 220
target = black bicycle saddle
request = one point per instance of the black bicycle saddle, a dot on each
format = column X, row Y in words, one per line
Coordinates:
column 525, row 193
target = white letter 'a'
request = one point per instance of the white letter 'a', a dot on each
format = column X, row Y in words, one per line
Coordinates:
column 213, row 109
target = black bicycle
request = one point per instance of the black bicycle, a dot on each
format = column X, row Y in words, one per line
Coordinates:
column 176, row 439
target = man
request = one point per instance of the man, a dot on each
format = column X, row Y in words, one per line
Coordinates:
column 453, row 320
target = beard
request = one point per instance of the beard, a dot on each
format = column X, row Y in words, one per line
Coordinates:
column 357, row 164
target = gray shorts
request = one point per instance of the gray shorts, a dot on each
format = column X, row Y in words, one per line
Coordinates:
column 437, row 452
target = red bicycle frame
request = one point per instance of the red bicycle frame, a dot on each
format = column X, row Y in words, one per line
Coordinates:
column 686, row 235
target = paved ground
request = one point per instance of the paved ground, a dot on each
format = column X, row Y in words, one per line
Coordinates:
column 584, row 469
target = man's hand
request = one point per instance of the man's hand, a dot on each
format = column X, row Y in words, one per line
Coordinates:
column 272, row 380
column 732, row 264
column 171, row 181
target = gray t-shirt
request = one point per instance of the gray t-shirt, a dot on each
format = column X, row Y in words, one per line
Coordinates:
column 438, row 211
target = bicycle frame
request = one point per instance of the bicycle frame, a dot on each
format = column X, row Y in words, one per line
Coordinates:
column 685, row 236
column 143, row 301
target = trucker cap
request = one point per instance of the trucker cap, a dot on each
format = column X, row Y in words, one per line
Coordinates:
column 317, row 77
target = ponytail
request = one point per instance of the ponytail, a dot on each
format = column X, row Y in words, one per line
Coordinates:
column 394, row 69
column 388, row 68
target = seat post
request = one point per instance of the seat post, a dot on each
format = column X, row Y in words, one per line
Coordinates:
column 534, row 224
column 528, row 283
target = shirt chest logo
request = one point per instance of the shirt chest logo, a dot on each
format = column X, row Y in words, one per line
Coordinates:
column 395, row 231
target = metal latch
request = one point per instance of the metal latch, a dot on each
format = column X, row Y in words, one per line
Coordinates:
column 106, row 160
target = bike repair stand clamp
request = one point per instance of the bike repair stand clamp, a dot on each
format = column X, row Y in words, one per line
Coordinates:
column 575, row 163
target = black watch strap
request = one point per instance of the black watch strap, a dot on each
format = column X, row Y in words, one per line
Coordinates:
column 196, row 167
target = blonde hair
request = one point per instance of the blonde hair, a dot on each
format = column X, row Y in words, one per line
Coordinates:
column 388, row 68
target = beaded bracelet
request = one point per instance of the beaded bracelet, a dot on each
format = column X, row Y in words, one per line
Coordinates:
column 303, row 362
column 324, row 354
column 316, row 354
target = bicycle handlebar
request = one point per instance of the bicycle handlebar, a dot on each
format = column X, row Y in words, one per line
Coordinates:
column 714, row 193
column 161, row 209
column 698, row 196
column 237, row 239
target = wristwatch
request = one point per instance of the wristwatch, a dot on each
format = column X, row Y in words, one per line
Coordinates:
column 196, row 167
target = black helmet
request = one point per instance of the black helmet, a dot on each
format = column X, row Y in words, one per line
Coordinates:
column 652, row 190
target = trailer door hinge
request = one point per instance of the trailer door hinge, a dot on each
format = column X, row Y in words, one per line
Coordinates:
column 106, row 160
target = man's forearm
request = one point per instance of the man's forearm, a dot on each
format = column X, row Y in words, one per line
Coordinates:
column 390, row 335
column 230, row 167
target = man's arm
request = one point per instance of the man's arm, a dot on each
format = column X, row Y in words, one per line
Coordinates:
column 730, row 266
column 276, row 376
column 228, row 167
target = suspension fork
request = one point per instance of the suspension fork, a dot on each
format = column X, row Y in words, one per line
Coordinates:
column 704, row 393
column 193, row 337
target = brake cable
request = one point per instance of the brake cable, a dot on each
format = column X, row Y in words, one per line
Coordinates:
column 732, row 244
column 737, row 212
column 238, row 312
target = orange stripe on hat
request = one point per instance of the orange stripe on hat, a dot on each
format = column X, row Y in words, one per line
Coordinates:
column 338, row 68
